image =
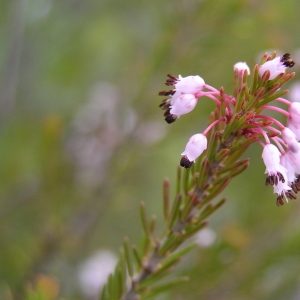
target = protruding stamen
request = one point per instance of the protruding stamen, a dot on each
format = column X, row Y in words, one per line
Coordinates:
column 185, row 162
column 279, row 201
column 170, row 118
column 289, row 194
column 274, row 179
column 167, row 93
column 164, row 103
column 172, row 80
column 167, row 113
column 287, row 61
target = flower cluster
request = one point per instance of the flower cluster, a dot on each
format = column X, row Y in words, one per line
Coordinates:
column 242, row 119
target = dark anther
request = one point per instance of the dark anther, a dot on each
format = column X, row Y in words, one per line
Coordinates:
column 294, row 187
column 172, row 80
column 163, row 102
column 279, row 201
column 167, row 106
column 172, row 77
column 281, row 178
column 271, row 179
column 167, row 113
column 297, row 186
column 184, row 162
column 268, row 181
column 170, row 118
column 274, row 179
column 287, row 61
column 290, row 195
column 166, row 93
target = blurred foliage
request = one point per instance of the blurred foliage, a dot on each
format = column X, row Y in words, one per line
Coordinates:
column 83, row 140
column 45, row 289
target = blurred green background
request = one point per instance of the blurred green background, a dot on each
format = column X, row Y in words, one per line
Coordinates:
column 82, row 140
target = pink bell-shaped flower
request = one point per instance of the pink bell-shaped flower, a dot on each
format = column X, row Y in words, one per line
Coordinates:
column 294, row 110
column 276, row 172
column 183, row 98
column 194, row 148
column 289, row 138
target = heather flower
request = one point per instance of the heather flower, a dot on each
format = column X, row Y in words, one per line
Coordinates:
column 295, row 128
column 177, row 106
column 276, row 172
column 276, row 66
column 294, row 110
column 183, row 105
column 289, row 138
column 194, row 148
column 241, row 67
column 287, row 160
column 294, row 93
column 183, row 98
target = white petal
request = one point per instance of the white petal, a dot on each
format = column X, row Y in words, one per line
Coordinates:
column 190, row 85
column 241, row 66
column 183, row 104
column 289, row 138
column 294, row 110
column 271, row 158
column 195, row 146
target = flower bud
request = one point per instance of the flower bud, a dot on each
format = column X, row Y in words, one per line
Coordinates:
column 241, row 66
column 276, row 66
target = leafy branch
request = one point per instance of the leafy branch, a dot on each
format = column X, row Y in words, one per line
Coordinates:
column 232, row 128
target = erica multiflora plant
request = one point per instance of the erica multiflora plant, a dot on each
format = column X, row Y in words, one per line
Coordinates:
column 210, row 160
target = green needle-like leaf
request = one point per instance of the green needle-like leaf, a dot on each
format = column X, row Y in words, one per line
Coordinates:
column 166, row 198
column 128, row 258
column 154, row 291
column 175, row 211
